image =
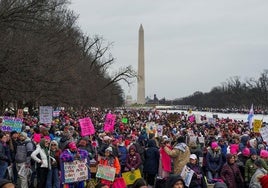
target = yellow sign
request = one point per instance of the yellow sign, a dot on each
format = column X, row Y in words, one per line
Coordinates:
column 257, row 124
column 130, row 177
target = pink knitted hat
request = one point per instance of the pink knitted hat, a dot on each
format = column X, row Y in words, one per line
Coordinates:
column 214, row 145
column 264, row 154
column 246, row 152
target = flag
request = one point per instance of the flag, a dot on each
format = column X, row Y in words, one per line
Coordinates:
column 250, row 116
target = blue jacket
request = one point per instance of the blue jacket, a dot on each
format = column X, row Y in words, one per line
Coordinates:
column 122, row 154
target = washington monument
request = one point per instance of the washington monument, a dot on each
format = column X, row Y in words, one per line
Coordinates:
column 141, row 76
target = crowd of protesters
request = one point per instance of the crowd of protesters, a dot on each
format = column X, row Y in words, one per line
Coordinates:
column 224, row 153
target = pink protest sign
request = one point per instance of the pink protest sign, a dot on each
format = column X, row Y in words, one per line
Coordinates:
column 109, row 123
column 87, row 128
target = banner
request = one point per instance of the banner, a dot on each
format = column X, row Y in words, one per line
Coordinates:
column 105, row 172
column 109, row 123
column 11, row 124
column 75, row 171
column 131, row 177
column 45, row 114
column 87, row 127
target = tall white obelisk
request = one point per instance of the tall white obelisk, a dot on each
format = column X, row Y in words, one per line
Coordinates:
column 141, row 75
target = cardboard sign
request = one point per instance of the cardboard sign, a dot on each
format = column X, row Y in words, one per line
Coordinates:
column 11, row 124
column 87, row 127
column 106, row 172
column 75, row 171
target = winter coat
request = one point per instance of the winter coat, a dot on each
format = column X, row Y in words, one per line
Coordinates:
column 133, row 160
column 197, row 179
column 122, row 154
column 254, row 182
column 231, row 175
column 180, row 154
column 152, row 156
column 111, row 161
column 250, row 169
column 214, row 160
column 43, row 156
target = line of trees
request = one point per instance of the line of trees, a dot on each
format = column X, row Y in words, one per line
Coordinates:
column 233, row 93
column 45, row 59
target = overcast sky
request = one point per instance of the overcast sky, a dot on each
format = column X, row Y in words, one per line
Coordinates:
column 190, row 45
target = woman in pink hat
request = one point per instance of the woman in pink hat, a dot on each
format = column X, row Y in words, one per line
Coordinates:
column 214, row 161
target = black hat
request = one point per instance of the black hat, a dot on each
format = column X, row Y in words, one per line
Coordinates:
column 258, row 163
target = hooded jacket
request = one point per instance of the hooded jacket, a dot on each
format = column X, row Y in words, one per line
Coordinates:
column 133, row 160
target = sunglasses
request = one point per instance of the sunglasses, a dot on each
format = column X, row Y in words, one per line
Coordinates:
column 53, row 144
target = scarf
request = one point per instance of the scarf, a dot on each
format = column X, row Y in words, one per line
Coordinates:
column 181, row 147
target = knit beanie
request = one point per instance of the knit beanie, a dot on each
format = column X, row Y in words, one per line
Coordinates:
column 264, row 154
column 246, row 152
column 264, row 181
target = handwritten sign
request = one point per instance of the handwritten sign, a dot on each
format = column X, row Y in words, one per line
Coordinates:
column 45, row 114
column 75, row 171
column 11, row 124
column 87, row 127
column 109, row 123
column 106, row 172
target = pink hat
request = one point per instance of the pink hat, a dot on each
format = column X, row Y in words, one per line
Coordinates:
column 36, row 137
column 234, row 148
column 246, row 152
column 72, row 146
column 264, row 154
column 214, row 145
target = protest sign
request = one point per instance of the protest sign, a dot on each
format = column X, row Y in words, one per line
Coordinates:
column 131, row 177
column 20, row 113
column 105, row 172
column 11, row 124
column 159, row 130
column 87, row 128
column 45, row 114
column 75, row 171
column 109, row 122
column 257, row 125
column 124, row 120
column 187, row 175
column 264, row 133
